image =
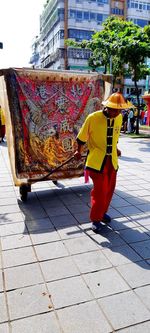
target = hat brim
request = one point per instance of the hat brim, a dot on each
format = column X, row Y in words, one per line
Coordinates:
column 115, row 106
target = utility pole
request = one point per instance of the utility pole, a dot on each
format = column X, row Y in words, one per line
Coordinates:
column 65, row 33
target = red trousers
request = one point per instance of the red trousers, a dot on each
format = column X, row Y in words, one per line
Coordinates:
column 103, row 189
column 2, row 131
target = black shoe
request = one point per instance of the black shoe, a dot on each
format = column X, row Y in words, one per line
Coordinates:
column 96, row 227
column 106, row 218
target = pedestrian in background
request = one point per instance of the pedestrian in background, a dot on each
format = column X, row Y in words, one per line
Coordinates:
column 2, row 124
column 142, row 113
column 125, row 121
column 130, row 125
column 101, row 131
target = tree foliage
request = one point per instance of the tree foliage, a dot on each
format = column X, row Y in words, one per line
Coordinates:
column 122, row 47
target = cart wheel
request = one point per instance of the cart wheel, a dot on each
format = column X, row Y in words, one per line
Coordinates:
column 23, row 192
column 55, row 182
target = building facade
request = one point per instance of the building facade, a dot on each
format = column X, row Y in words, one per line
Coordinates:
column 78, row 20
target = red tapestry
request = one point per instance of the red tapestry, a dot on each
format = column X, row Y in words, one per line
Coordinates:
column 47, row 110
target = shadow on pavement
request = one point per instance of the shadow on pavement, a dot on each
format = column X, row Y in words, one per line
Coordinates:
column 67, row 210
column 131, row 159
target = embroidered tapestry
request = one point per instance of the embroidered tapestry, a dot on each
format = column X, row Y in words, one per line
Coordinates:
column 47, row 109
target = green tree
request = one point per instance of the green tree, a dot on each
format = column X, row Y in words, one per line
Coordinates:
column 122, row 48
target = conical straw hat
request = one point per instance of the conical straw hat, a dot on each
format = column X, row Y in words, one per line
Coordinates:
column 116, row 101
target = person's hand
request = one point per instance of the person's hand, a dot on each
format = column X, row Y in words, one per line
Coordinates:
column 118, row 152
column 77, row 155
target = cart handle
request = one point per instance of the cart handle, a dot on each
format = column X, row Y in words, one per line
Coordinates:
column 30, row 180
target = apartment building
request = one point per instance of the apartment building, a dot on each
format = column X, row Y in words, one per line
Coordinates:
column 78, row 20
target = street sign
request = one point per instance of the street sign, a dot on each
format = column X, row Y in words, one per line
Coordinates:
column 1, row 45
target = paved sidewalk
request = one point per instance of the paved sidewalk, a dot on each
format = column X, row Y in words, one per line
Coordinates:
column 56, row 275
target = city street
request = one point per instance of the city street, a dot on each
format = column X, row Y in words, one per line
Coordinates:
column 56, row 275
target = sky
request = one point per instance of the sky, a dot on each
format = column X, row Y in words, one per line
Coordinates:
column 19, row 24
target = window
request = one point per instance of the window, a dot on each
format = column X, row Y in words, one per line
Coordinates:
column 61, row 13
column 86, row 15
column 79, row 35
column 72, row 13
column 79, row 15
column 100, row 2
column 61, row 34
column 141, row 22
column 99, row 17
column 92, row 16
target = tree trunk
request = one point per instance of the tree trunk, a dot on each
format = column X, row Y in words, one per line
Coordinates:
column 138, row 106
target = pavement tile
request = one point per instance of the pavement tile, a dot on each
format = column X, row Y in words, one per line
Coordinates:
column 5, row 189
column 8, row 194
column 63, row 221
column 54, row 211
column 59, row 269
column 107, row 238
column 121, row 255
column 3, row 310
column 140, row 193
column 114, row 213
column 5, row 201
column 82, row 217
column 20, row 256
column 46, row 236
column 36, row 225
column 78, row 208
column 82, row 318
column 142, row 248
column 50, row 250
column 70, row 232
column 136, row 274
column 144, row 294
column 145, row 207
column 123, row 223
column 140, row 328
column 42, row 323
column 68, row 292
column 28, row 301
column 9, row 209
column 11, row 217
column 135, row 201
column 53, row 203
column 91, row 261
column 22, row 276
column 35, row 212
column 80, row 245
column 13, row 228
column 105, row 282
column 4, row 328
column 132, row 187
column 129, row 210
column 15, row 241
column 1, row 281
column 119, row 202
column 124, row 309
column 133, row 235
column 142, row 219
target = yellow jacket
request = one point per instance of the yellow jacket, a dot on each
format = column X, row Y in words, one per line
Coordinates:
column 94, row 132
column 2, row 116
